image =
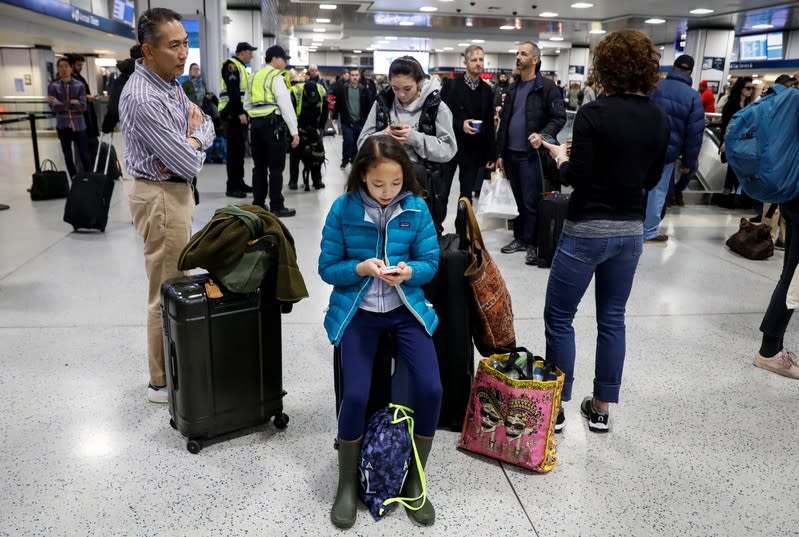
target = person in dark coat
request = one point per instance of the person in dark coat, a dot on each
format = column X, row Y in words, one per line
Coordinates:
column 471, row 101
column 77, row 62
column 126, row 68
column 683, row 106
column 353, row 102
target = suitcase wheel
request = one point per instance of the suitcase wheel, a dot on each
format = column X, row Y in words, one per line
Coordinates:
column 173, row 424
column 194, row 446
column 281, row 421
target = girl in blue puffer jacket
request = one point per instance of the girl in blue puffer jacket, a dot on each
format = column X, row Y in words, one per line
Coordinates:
column 379, row 247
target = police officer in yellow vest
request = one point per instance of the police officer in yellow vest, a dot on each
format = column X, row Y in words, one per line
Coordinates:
column 273, row 123
column 311, row 118
column 231, row 110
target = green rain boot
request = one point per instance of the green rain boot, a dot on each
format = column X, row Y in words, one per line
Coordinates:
column 344, row 508
column 426, row 515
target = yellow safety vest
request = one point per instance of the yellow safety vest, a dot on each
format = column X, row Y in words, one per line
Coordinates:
column 261, row 100
column 298, row 90
column 223, row 96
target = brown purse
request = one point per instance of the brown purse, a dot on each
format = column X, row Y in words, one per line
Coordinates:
column 492, row 314
column 753, row 241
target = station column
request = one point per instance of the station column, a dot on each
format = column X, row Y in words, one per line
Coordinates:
column 711, row 50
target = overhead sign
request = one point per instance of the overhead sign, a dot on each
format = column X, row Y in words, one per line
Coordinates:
column 772, row 64
column 66, row 12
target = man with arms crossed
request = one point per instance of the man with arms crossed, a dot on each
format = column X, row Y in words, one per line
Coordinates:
column 165, row 139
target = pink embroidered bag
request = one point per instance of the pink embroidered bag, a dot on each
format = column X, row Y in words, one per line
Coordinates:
column 511, row 419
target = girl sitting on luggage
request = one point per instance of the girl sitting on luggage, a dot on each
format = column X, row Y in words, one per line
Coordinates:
column 379, row 248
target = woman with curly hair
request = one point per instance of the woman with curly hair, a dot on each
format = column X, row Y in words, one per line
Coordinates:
column 617, row 155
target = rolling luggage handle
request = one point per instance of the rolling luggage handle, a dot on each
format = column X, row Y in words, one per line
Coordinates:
column 99, row 150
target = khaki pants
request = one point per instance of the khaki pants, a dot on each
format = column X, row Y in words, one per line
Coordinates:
column 777, row 223
column 162, row 213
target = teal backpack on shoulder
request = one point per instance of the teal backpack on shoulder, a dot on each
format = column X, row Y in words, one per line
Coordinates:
column 762, row 146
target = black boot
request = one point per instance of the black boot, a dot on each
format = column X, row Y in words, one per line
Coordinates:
column 425, row 515
column 345, row 507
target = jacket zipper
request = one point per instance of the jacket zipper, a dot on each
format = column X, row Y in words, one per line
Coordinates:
column 400, row 291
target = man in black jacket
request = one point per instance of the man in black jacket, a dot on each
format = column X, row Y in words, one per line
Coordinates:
column 125, row 68
column 353, row 103
column 471, row 102
column 534, row 106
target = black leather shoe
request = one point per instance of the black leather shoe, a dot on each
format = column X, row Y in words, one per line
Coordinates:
column 285, row 212
column 319, row 186
column 247, row 189
column 292, row 186
column 343, row 165
column 532, row 256
column 235, row 194
column 307, row 188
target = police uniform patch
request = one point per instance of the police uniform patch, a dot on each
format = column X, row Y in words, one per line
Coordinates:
column 231, row 68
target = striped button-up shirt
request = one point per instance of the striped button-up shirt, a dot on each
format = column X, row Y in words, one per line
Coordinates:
column 68, row 115
column 154, row 115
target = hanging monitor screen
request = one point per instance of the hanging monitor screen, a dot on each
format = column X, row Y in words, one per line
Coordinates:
column 761, row 47
column 383, row 59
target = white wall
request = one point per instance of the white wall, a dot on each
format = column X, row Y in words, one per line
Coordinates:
column 245, row 26
column 17, row 63
column 326, row 58
column 792, row 45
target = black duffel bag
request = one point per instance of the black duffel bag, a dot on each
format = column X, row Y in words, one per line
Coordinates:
column 49, row 183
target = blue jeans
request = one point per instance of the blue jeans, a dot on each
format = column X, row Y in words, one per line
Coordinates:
column 415, row 350
column 525, row 178
column 349, row 141
column 655, row 201
column 775, row 321
column 577, row 260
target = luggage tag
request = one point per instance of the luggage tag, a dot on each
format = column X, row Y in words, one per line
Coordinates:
column 212, row 290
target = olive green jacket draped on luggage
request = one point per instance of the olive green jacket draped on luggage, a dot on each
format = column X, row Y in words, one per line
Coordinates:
column 221, row 244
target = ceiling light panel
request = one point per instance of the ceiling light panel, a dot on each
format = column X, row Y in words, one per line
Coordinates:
column 428, row 9
column 327, row 6
column 655, row 21
column 548, row 14
column 323, row 21
column 582, row 5
column 701, row 11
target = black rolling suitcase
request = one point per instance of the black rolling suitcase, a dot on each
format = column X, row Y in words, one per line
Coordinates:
column 448, row 291
column 89, row 197
column 223, row 358
column 552, row 210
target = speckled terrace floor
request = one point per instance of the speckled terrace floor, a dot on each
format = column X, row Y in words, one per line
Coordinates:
column 703, row 443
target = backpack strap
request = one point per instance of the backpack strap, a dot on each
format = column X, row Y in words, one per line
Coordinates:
column 402, row 413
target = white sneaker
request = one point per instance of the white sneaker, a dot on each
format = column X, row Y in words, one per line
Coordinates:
column 157, row 394
column 783, row 363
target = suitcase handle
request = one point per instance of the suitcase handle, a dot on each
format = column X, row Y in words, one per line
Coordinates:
column 100, row 150
column 173, row 361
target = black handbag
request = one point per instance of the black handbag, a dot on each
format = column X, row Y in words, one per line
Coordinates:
column 49, row 183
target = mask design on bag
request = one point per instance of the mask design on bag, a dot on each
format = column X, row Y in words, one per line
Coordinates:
column 523, row 418
column 491, row 414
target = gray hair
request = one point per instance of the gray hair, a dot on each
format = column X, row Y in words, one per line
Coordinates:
column 470, row 49
column 150, row 22
column 536, row 48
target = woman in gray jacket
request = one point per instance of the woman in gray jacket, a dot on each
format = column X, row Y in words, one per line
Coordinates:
column 411, row 111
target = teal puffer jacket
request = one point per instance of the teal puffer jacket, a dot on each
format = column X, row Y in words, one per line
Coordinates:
column 350, row 236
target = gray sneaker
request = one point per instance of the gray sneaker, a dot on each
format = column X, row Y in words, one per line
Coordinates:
column 513, row 246
column 783, row 363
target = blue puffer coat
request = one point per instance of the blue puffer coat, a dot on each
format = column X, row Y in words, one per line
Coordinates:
column 686, row 117
column 350, row 236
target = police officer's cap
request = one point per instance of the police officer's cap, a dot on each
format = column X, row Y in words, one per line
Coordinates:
column 276, row 51
column 241, row 47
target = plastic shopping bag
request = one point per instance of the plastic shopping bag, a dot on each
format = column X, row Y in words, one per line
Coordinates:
column 496, row 198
